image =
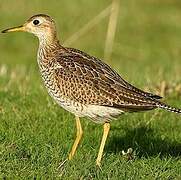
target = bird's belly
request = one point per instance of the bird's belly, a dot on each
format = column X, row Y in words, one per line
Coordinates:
column 100, row 114
column 67, row 104
column 97, row 113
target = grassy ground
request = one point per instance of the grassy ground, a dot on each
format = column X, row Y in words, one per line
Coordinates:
column 36, row 134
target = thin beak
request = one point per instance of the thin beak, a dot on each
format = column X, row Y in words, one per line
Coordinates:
column 18, row 28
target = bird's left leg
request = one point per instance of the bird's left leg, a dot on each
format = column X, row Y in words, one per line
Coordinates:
column 78, row 138
column 104, row 137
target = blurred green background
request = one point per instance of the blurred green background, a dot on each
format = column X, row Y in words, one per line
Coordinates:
column 36, row 134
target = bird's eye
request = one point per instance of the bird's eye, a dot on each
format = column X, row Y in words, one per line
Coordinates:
column 36, row 22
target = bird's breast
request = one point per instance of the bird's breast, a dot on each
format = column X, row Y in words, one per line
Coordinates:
column 55, row 91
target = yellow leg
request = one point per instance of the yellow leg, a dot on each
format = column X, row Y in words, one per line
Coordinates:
column 78, row 138
column 104, row 137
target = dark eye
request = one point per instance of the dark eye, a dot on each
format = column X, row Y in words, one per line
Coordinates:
column 36, row 22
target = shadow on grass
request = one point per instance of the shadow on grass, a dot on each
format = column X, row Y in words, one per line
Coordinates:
column 145, row 141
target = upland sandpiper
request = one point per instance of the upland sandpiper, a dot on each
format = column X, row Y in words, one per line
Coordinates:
column 83, row 84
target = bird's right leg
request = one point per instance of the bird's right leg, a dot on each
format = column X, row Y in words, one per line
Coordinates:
column 104, row 137
column 78, row 138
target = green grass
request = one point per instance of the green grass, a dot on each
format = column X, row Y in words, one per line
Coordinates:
column 36, row 134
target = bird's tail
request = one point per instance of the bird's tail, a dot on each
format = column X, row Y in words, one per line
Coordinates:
column 168, row 108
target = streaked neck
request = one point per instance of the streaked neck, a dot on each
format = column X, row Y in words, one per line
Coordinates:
column 47, row 48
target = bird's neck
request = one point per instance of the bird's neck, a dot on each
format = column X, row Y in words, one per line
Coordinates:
column 47, row 41
column 47, row 46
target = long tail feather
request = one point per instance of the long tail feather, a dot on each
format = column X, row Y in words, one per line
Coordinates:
column 168, row 108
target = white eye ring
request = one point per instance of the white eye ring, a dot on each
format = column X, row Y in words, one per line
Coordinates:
column 36, row 22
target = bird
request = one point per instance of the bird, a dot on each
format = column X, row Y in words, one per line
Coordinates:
column 83, row 84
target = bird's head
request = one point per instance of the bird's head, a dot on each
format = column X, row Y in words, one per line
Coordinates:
column 40, row 25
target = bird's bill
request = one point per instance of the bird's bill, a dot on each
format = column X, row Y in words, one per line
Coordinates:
column 14, row 29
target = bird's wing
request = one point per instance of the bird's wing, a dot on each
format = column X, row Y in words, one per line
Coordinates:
column 90, row 81
column 112, row 73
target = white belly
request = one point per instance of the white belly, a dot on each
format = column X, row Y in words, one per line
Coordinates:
column 96, row 113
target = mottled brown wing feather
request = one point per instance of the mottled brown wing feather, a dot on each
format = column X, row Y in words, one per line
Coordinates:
column 112, row 72
column 90, row 81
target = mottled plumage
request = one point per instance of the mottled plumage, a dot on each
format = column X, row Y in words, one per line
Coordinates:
column 83, row 80
column 83, row 84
